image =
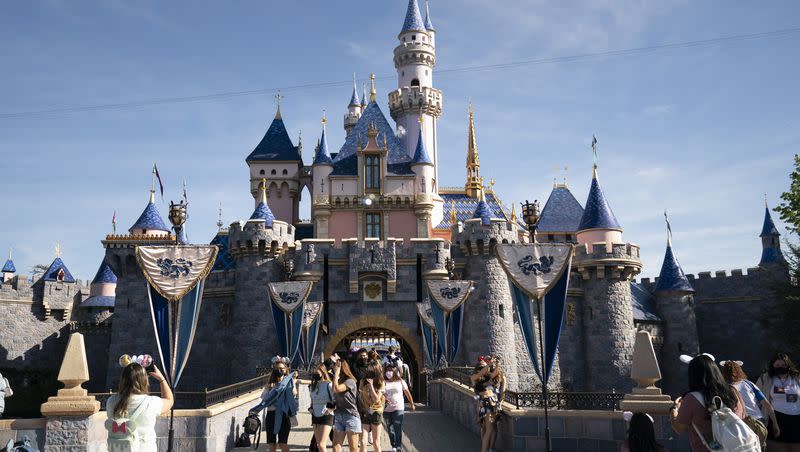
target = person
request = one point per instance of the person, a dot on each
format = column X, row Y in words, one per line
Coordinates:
column 132, row 402
column 641, row 435
column 373, row 356
column 279, row 397
column 5, row 391
column 782, row 391
column 690, row 412
column 361, row 364
column 322, row 405
column 371, row 392
column 489, row 404
column 755, row 403
column 396, row 388
column 346, row 420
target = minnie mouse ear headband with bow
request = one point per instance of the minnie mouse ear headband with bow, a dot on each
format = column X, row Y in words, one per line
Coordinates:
column 686, row 359
column 740, row 363
column 143, row 360
column 628, row 415
column 281, row 359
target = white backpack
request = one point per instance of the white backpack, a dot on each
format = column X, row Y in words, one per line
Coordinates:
column 6, row 387
column 122, row 432
column 730, row 433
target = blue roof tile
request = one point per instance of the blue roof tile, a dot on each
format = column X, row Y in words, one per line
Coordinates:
column 321, row 156
column 224, row 259
column 104, row 275
column 413, row 18
column 597, row 214
column 770, row 255
column 561, row 213
column 98, row 301
column 421, row 154
column 52, row 272
column 671, row 278
column 346, row 161
column 263, row 212
column 9, row 267
column 150, row 219
column 769, row 226
column 466, row 205
column 643, row 303
column 276, row 145
column 354, row 102
column 483, row 211
column 428, row 23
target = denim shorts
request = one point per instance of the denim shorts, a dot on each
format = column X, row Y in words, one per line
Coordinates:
column 347, row 423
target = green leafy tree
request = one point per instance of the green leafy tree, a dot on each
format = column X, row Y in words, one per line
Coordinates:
column 38, row 271
column 789, row 209
column 785, row 322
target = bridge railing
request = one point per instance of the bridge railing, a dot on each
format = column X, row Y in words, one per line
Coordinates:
column 562, row 400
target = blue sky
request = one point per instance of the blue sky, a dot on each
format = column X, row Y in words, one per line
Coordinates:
column 703, row 131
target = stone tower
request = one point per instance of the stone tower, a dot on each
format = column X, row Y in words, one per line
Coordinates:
column 675, row 303
column 770, row 242
column 256, row 244
column 489, row 313
column 423, row 167
column 606, row 266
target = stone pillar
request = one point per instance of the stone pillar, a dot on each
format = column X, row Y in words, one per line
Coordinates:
column 645, row 397
column 71, row 424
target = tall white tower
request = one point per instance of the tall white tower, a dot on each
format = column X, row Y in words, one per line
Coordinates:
column 415, row 96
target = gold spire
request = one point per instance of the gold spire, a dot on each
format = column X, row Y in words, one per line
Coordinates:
column 372, row 91
column 278, row 101
column 263, row 187
column 58, row 249
column 453, row 218
column 513, row 214
column 324, row 118
column 474, row 185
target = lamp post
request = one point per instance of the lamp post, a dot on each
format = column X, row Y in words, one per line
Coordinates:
column 530, row 214
column 177, row 216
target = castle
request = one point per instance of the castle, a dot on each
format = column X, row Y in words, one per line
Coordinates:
column 381, row 226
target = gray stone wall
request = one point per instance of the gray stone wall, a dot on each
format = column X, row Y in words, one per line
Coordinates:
column 677, row 309
column 571, row 349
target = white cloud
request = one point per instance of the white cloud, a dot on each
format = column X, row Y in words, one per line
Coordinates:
column 659, row 109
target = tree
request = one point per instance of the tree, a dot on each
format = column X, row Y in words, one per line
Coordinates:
column 786, row 321
column 38, row 270
column 789, row 209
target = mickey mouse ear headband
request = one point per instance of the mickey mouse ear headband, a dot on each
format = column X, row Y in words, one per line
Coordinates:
column 740, row 363
column 278, row 359
column 686, row 359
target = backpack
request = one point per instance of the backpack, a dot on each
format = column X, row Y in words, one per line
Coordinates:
column 123, row 431
column 252, row 426
column 242, row 441
column 7, row 391
column 730, row 433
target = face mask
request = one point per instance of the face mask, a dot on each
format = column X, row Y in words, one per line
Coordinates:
column 781, row 370
column 362, row 361
column 389, row 374
column 316, row 377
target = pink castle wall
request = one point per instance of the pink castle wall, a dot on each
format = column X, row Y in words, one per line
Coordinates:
column 342, row 225
column 402, row 225
column 282, row 206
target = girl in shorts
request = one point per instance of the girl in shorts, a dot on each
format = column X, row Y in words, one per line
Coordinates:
column 322, row 405
column 372, row 396
column 346, row 421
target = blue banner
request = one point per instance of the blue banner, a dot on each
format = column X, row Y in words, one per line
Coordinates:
column 427, row 342
column 280, row 330
column 523, row 304
column 440, row 322
column 455, row 327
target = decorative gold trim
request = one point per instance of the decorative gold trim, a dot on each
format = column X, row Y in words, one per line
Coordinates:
column 568, row 264
column 203, row 273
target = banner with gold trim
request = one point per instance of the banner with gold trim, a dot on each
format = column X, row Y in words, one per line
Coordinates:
column 288, row 312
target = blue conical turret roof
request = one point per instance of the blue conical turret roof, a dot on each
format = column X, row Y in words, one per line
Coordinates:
column 561, row 213
column 672, row 278
column 354, row 102
column 9, row 267
column 483, row 211
column 421, row 154
column 52, row 272
column 597, row 214
column 321, row 156
column 413, row 20
column 263, row 211
column 104, row 275
column 150, row 218
column 428, row 23
column 276, row 144
column 769, row 226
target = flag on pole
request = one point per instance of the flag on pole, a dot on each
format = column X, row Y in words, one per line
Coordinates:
column 594, row 149
column 114, row 223
column 185, row 198
column 160, row 184
column 669, row 229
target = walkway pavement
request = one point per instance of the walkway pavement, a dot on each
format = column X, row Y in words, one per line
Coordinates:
column 425, row 430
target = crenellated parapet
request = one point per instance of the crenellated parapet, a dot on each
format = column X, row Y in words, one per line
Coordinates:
column 374, row 256
column 474, row 238
column 603, row 260
column 417, row 52
column 254, row 238
column 415, row 100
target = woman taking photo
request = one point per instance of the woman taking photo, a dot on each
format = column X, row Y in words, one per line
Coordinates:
column 396, row 388
column 489, row 403
column 690, row 412
column 132, row 407
column 322, row 405
column 279, row 397
column 782, row 391
column 371, row 393
column 346, row 421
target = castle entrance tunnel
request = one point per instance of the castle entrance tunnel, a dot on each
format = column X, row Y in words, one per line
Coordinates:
column 381, row 339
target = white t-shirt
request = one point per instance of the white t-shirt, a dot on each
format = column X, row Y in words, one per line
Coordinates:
column 394, row 396
column 320, row 398
column 146, row 422
column 751, row 396
column 784, row 394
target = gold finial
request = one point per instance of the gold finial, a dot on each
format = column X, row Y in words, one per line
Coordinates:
column 263, row 187
column 421, row 120
column 453, row 218
column 58, row 249
column 278, row 98
column 491, row 184
column 372, row 91
column 9, row 253
column 324, row 118
column 385, row 142
column 372, row 130
column 513, row 213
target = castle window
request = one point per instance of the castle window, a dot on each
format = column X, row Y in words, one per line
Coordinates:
column 60, row 275
column 415, row 82
column 372, row 172
column 373, row 225
column 285, row 172
column 501, row 311
column 261, row 172
column 569, row 237
column 273, row 172
column 413, row 37
column 551, row 238
column 404, row 39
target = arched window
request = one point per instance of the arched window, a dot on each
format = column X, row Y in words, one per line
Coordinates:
column 285, row 172
column 261, row 172
column 273, row 172
column 415, row 82
column 413, row 37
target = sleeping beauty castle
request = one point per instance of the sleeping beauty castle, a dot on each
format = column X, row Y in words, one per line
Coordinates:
column 382, row 224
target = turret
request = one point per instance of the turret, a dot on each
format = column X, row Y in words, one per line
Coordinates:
column 320, row 205
column 488, row 313
column 429, row 25
column 675, row 303
column 561, row 216
column 354, row 110
column 606, row 266
column 770, row 242
column 8, row 269
column 149, row 223
column 422, row 166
